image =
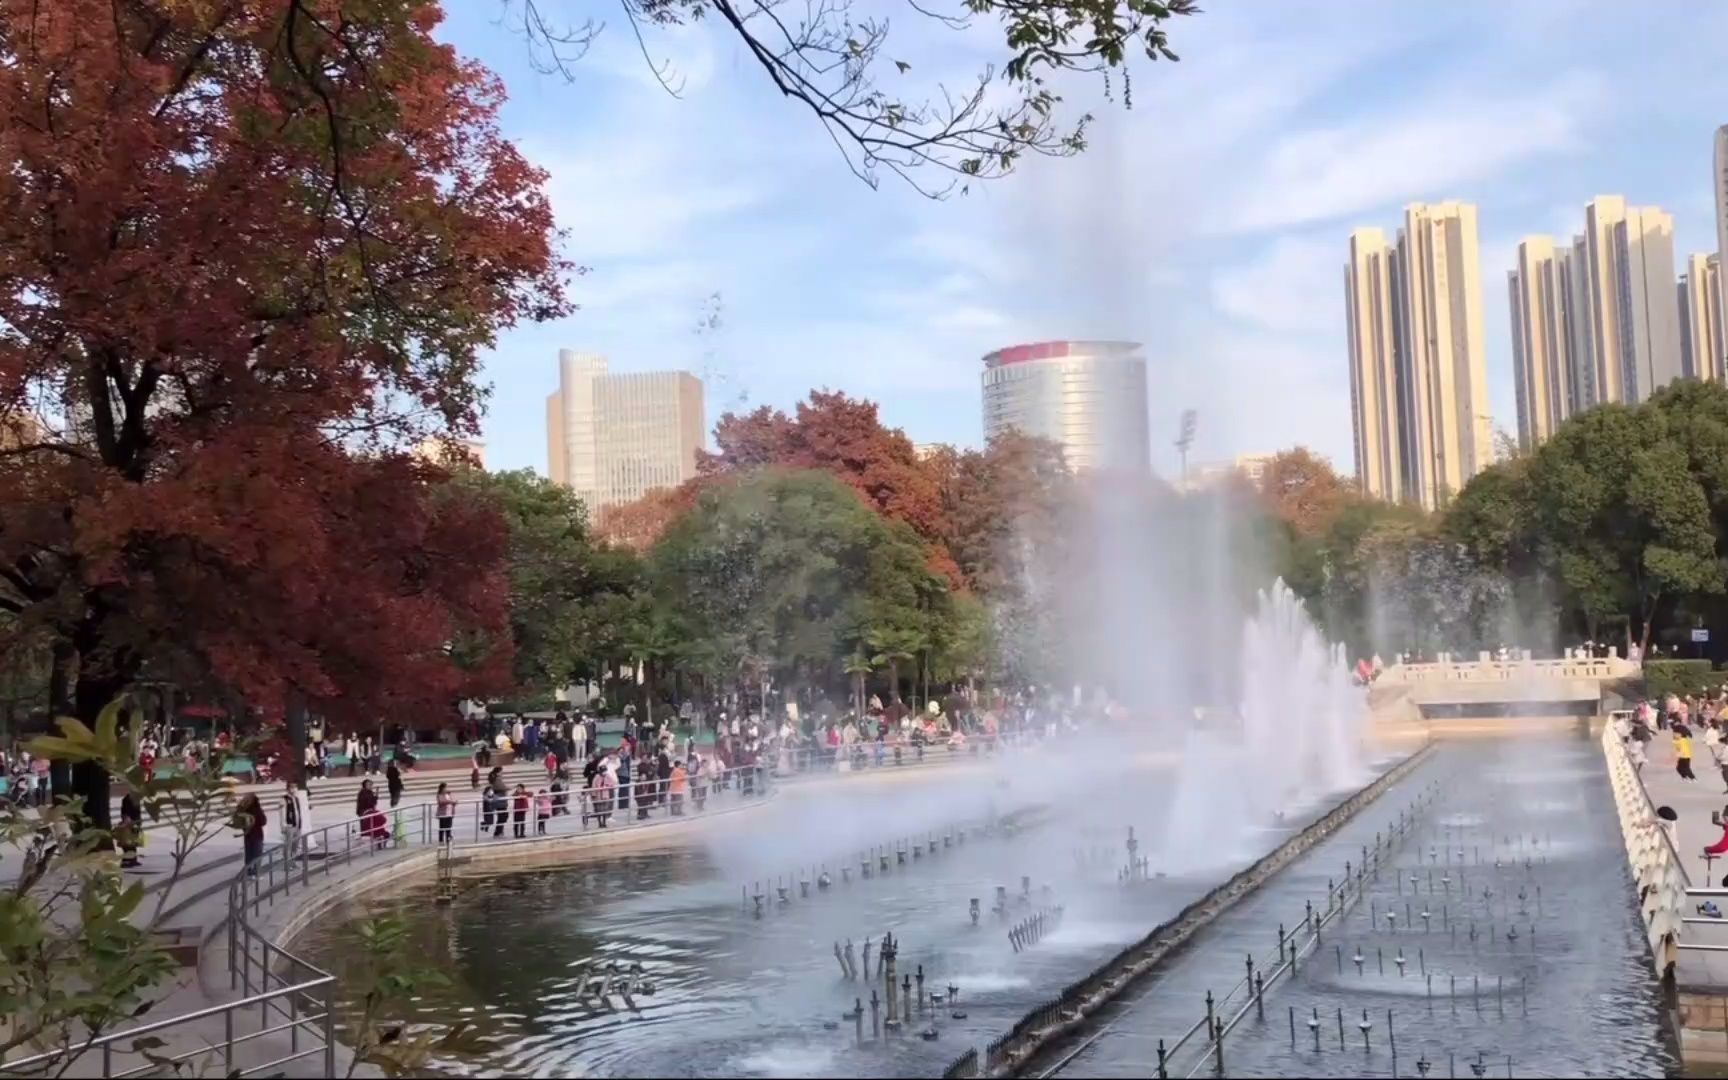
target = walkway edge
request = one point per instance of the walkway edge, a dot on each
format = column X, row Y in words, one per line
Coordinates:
column 1091, row 993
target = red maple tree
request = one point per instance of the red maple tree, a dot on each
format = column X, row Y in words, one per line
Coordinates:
column 639, row 523
column 844, row 436
column 250, row 249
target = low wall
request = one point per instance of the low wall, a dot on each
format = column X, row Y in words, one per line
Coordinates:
column 1657, row 874
column 1071, row 1009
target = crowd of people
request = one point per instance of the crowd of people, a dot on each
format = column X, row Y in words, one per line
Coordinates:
column 1688, row 720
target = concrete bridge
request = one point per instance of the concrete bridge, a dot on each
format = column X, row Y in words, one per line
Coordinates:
column 1524, row 686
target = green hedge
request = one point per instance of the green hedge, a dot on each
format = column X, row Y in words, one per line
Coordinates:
column 1680, row 677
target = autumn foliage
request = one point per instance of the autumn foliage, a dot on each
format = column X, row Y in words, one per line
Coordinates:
column 1301, row 488
column 843, row 436
column 247, row 251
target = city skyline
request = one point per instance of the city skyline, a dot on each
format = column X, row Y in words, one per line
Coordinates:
column 1205, row 223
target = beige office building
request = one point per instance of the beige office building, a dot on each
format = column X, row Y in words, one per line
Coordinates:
column 614, row 438
column 1634, row 323
column 1546, row 327
column 452, row 453
column 1703, row 350
column 1372, row 305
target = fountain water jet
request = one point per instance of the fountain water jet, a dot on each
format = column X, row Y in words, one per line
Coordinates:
column 1297, row 737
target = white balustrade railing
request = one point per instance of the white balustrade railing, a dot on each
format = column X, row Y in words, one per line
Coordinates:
column 1489, row 670
column 1657, row 871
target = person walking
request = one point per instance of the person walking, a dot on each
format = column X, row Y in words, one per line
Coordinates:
column 446, row 813
column 1683, row 752
column 393, row 781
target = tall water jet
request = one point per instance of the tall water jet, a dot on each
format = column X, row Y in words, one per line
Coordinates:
column 1295, row 736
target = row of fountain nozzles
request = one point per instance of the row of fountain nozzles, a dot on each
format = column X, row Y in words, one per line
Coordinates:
column 1031, row 930
column 608, row 982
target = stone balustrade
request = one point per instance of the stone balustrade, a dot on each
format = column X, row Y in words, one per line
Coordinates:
column 1487, row 669
column 1657, row 871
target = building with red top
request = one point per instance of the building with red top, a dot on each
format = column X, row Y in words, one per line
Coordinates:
column 1088, row 396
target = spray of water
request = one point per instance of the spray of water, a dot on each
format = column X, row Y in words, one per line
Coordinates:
column 1296, row 737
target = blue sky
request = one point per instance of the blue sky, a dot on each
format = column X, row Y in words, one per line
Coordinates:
column 1208, row 223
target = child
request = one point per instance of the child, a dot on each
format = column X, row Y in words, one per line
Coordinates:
column 542, row 811
column 519, row 822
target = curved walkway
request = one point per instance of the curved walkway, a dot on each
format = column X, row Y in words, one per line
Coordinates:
column 242, row 985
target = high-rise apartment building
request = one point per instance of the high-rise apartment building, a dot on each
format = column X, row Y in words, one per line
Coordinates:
column 1087, row 396
column 1585, row 390
column 1544, row 338
column 1719, row 191
column 1634, row 325
column 1429, row 329
column 1449, row 440
column 614, row 438
column 1651, row 328
column 1703, row 349
column 1372, row 300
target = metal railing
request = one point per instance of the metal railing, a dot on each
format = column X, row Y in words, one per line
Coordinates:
column 284, row 998
column 1250, row 991
column 1115, row 975
column 898, row 751
column 134, row 1052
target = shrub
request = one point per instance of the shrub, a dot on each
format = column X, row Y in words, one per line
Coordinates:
column 1680, row 677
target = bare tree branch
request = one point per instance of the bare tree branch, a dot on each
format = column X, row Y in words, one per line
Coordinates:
column 830, row 62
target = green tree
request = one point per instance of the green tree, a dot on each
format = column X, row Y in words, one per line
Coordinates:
column 774, row 568
column 655, row 637
column 1624, row 519
column 79, row 956
column 573, row 601
column 858, row 667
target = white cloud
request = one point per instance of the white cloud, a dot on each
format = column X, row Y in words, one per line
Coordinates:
column 1428, row 150
column 1208, row 222
column 1294, row 285
column 969, row 317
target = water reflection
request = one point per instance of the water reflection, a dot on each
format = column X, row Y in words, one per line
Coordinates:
column 737, row 995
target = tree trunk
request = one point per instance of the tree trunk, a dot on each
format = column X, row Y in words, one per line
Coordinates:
column 297, row 739
column 90, row 778
column 894, row 681
column 60, row 704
